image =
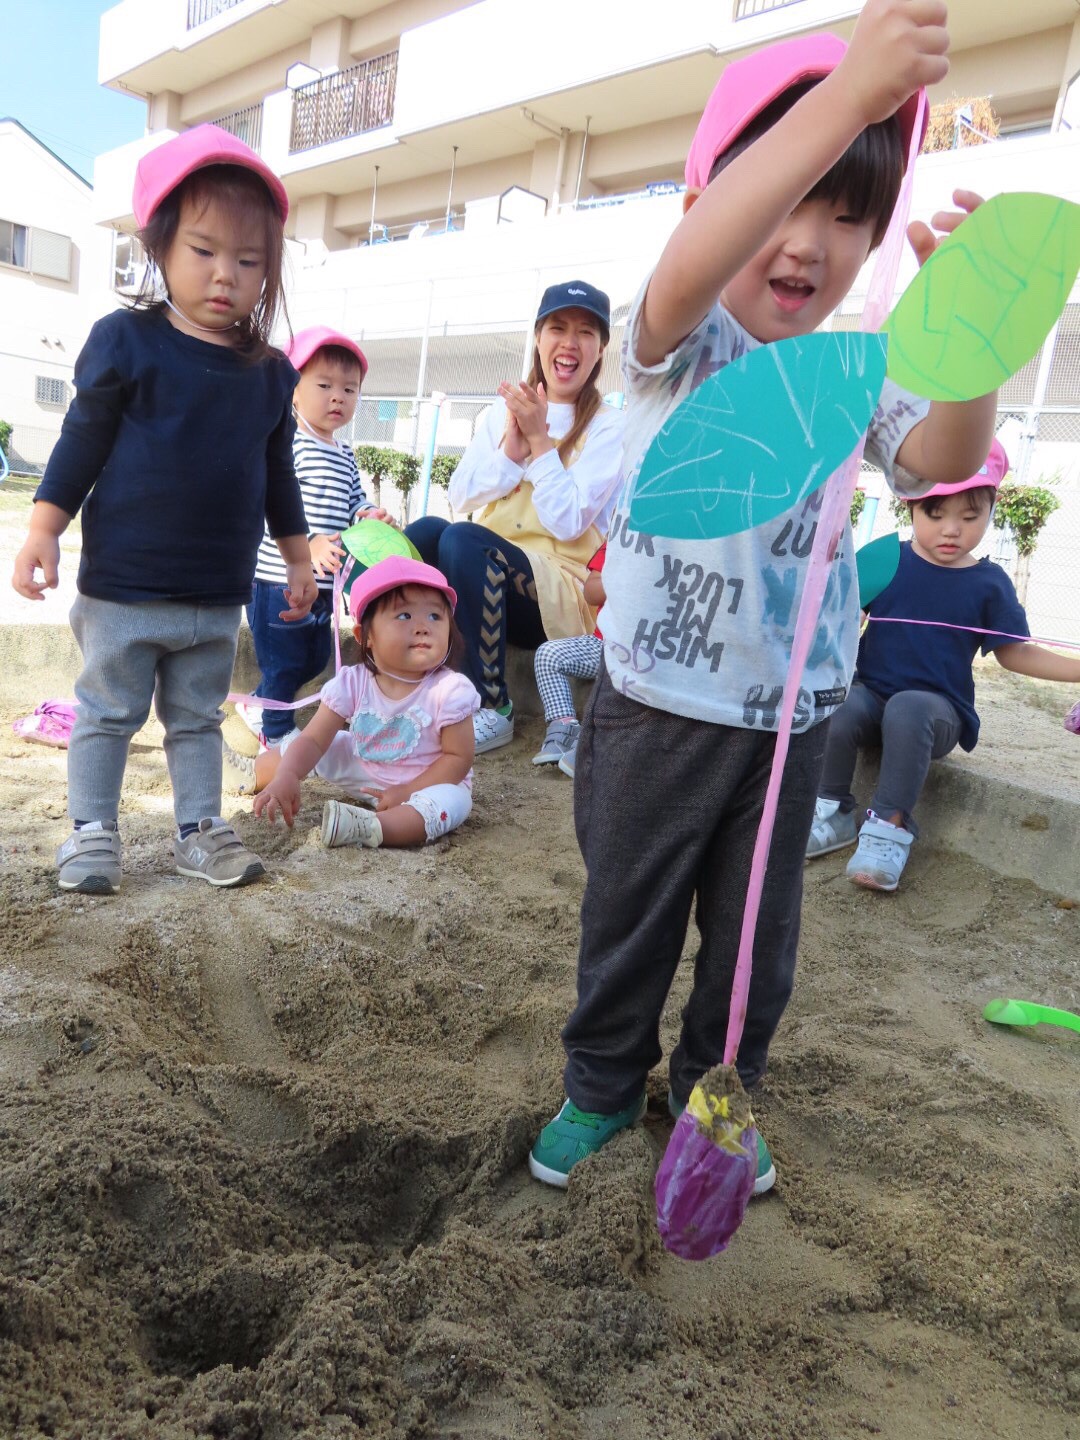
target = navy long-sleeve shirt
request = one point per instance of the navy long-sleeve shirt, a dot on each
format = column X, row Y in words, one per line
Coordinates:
column 176, row 450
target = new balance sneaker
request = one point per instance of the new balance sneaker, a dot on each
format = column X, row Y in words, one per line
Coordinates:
column 766, row 1170
column 883, row 852
column 237, row 772
column 215, row 853
column 88, row 862
column 560, row 736
column 492, row 729
column 572, row 1135
column 831, row 830
column 350, row 825
column 568, row 761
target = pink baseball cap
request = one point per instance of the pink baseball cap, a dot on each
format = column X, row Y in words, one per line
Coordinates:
column 992, row 473
column 304, row 344
column 388, row 574
column 160, row 171
column 747, row 86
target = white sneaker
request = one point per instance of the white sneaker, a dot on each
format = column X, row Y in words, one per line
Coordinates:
column 350, row 825
column 491, row 730
column 883, row 852
column 831, row 830
column 251, row 715
column 237, row 772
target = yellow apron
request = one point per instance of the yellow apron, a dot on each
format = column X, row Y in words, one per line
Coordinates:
column 559, row 566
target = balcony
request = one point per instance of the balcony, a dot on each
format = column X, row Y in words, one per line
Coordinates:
column 245, row 124
column 199, row 11
column 352, row 102
column 745, row 8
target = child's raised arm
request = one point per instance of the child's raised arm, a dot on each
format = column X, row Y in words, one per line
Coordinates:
column 898, row 46
column 282, row 794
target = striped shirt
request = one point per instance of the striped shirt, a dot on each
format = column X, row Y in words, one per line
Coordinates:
column 332, row 493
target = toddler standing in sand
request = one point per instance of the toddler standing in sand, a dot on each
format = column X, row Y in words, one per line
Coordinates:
column 177, row 446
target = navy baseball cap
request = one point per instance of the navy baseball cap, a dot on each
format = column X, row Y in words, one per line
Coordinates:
column 576, row 295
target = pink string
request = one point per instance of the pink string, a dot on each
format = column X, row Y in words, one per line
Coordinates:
column 832, row 519
column 974, row 630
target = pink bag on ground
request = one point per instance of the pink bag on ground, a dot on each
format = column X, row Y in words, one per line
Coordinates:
column 1072, row 719
column 50, row 724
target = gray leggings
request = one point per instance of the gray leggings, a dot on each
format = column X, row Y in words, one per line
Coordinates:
column 180, row 657
column 912, row 727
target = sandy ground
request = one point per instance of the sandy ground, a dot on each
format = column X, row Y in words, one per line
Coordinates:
column 262, row 1153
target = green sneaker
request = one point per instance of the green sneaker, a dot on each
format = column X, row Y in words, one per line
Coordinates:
column 572, row 1135
column 766, row 1170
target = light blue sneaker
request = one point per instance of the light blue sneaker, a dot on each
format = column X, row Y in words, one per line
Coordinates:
column 573, row 1135
column 766, row 1170
column 883, row 852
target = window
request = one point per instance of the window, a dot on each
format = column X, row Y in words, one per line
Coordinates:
column 42, row 252
column 129, row 262
column 13, row 244
column 48, row 391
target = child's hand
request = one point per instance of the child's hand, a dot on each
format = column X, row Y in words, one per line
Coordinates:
column 515, row 446
column 280, row 798
column 40, row 552
column 392, row 796
column 378, row 513
column 301, row 591
column 898, row 46
column 529, row 408
column 326, row 554
column 923, row 240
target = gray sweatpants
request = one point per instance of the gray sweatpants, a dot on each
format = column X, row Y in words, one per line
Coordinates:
column 667, row 811
column 912, row 727
column 180, row 657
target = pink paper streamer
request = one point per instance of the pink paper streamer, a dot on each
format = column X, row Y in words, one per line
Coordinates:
column 972, row 629
column 831, row 522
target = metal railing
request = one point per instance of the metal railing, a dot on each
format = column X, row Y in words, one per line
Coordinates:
column 745, row 8
column 245, row 124
column 199, row 11
column 351, row 102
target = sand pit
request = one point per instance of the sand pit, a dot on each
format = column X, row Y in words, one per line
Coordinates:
column 262, row 1153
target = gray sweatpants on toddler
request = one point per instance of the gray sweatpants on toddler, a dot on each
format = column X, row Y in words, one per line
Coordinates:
column 178, row 656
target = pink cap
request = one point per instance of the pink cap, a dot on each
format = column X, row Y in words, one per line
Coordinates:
column 388, row 574
column 160, row 171
column 747, row 86
column 992, row 473
column 304, row 344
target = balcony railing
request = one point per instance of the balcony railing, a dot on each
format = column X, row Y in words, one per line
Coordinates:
column 199, row 11
column 245, row 124
column 349, row 103
column 745, row 8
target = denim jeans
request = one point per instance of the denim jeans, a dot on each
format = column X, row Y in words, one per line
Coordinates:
column 496, row 596
column 289, row 652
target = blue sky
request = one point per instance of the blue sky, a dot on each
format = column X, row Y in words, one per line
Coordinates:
column 48, row 80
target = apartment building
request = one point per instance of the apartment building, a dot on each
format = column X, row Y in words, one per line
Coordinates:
column 55, row 281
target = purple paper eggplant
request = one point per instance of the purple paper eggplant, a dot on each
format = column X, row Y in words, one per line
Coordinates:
column 707, row 1175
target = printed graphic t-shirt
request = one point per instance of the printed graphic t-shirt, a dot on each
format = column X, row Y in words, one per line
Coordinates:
column 396, row 740
column 703, row 628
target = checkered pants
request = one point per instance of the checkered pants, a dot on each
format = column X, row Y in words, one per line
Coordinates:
column 556, row 661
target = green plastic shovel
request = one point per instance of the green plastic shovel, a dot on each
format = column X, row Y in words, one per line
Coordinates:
column 1023, row 1012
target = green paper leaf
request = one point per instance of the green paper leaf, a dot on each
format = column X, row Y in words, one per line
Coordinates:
column 369, row 541
column 876, row 565
column 759, row 436
column 981, row 306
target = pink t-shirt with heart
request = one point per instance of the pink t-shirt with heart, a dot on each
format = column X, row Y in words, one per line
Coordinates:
column 396, row 740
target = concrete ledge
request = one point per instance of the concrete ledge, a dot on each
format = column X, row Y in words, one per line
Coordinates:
column 1015, row 830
